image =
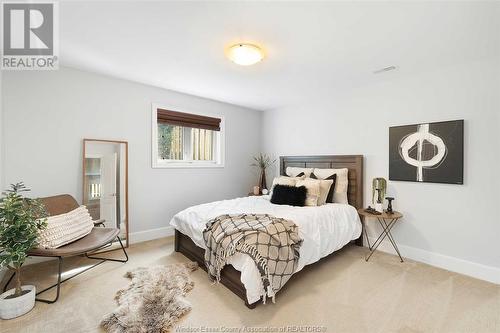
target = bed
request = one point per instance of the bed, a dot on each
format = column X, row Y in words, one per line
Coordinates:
column 321, row 236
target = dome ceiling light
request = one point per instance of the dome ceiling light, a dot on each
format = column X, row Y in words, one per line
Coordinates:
column 245, row 54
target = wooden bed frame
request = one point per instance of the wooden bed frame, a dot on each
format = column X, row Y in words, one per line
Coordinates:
column 230, row 277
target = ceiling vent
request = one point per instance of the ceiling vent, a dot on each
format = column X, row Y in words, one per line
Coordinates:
column 385, row 69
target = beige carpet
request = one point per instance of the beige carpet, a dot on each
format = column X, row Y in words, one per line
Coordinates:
column 342, row 293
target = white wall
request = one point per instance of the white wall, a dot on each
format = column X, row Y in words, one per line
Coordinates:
column 47, row 114
column 452, row 226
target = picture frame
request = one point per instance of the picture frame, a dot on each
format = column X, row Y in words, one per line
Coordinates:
column 428, row 152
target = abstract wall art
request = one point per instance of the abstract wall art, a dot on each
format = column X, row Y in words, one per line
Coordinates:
column 431, row 152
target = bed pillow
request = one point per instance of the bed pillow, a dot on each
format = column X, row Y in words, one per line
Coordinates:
column 65, row 228
column 328, row 186
column 285, row 180
column 340, row 191
column 295, row 172
column 289, row 195
column 312, row 186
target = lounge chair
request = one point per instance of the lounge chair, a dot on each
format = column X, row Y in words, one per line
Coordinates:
column 98, row 239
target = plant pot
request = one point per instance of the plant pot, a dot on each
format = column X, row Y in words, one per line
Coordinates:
column 262, row 180
column 15, row 307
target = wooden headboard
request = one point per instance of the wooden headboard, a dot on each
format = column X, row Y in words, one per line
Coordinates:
column 353, row 162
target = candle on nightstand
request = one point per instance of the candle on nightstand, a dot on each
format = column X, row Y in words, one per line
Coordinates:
column 256, row 190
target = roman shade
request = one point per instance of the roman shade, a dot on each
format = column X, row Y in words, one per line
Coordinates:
column 187, row 120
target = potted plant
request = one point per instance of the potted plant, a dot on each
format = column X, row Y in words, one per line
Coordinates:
column 263, row 161
column 21, row 220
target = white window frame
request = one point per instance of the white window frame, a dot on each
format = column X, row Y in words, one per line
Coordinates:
column 220, row 142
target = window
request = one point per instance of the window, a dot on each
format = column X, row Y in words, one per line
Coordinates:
column 186, row 139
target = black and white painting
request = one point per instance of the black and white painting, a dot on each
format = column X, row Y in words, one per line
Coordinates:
column 432, row 152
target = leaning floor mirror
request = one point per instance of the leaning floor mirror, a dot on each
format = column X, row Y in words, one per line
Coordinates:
column 105, row 183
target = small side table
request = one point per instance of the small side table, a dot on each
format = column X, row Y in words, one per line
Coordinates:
column 386, row 221
column 250, row 194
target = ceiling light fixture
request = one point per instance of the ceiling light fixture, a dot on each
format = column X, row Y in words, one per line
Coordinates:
column 245, row 54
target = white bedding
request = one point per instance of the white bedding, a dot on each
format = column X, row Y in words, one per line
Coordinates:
column 324, row 230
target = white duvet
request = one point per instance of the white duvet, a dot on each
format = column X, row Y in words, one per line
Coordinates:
column 324, row 230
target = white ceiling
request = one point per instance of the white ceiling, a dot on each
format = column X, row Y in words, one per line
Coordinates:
column 313, row 48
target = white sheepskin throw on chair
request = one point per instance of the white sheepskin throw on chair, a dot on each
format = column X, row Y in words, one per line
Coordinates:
column 154, row 301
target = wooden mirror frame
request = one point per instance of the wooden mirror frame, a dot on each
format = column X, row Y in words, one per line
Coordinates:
column 85, row 141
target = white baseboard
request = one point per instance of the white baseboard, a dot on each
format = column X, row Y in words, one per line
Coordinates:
column 142, row 236
column 479, row 271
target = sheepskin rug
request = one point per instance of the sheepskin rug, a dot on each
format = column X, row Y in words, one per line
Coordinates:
column 154, row 301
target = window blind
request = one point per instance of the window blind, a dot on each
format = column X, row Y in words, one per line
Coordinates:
column 187, row 120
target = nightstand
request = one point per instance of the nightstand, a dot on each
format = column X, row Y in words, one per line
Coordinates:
column 387, row 222
column 250, row 194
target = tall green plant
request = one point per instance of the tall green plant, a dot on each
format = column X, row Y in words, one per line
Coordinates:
column 21, row 220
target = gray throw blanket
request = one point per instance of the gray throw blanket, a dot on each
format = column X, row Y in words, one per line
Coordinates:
column 273, row 243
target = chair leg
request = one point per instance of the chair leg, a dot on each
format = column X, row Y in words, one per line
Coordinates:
column 111, row 259
column 123, row 249
column 58, row 285
column 59, row 274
